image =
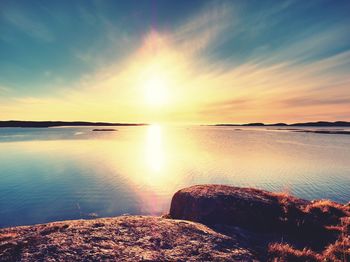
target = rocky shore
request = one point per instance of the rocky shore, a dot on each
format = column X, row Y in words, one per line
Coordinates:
column 205, row 223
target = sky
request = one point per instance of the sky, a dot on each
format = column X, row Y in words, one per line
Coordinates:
column 175, row 61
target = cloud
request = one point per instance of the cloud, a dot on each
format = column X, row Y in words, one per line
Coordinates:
column 4, row 90
column 30, row 25
column 312, row 101
column 306, row 48
column 290, row 83
column 205, row 28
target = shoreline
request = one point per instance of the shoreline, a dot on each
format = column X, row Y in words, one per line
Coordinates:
column 205, row 222
column 47, row 124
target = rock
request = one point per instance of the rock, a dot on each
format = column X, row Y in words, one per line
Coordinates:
column 219, row 204
column 267, row 218
column 243, row 224
column 104, row 130
column 125, row 238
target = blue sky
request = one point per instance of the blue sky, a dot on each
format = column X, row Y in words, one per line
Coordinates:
column 50, row 47
column 61, row 40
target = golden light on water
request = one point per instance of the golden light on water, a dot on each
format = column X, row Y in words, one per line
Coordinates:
column 163, row 158
column 156, row 160
column 154, row 151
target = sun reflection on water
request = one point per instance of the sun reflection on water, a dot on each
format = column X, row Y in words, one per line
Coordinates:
column 154, row 151
column 138, row 169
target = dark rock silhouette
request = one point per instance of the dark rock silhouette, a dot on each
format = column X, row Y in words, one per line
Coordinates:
column 323, row 124
column 279, row 124
column 253, row 124
column 329, row 132
column 104, row 129
column 310, row 124
column 44, row 124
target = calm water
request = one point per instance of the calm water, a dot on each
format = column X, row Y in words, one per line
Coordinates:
column 69, row 173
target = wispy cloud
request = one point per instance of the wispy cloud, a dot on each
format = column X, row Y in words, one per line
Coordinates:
column 28, row 24
column 305, row 78
column 205, row 28
column 4, row 90
column 312, row 101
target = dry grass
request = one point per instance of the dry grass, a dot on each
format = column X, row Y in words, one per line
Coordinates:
column 4, row 237
column 285, row 252
column 325, row 203
column 320, row 227
column 327, row 212
column 339, row 251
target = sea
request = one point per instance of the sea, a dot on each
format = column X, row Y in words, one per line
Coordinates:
column 53, row 174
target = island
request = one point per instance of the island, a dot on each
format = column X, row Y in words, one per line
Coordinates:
column 205, row 223
column 329, row 132
column 306, row 124
column 45, row 124
column 297, row 126
column 104, row 130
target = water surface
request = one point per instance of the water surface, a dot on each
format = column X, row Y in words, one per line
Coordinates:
column 54, row 174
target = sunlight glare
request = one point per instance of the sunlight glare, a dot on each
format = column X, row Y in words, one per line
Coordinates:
column 154, row 149
column 156, row 93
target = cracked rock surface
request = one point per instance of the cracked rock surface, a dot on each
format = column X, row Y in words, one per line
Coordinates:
column 124, row 238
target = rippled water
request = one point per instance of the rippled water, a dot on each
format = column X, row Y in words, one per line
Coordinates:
column 69, row 173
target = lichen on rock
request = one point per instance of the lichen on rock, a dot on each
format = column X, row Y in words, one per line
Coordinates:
column 124, row 238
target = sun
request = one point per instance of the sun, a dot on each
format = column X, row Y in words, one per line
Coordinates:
column 156, row 88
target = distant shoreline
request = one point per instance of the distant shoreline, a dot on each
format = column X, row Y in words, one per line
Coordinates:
column 307, row 124
column 46, row 124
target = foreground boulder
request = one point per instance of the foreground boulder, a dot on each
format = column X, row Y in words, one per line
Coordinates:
column 319, row 229
column 125, row 238
column 220, row 204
